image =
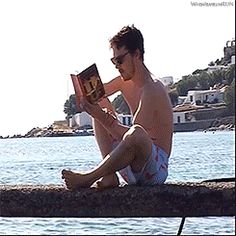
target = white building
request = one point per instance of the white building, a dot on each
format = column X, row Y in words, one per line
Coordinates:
column 125, row 119
column 80, row 119
column 232, row 60
column 84, row 119
column 205, row 96
column 183, row 117
column 178, row 117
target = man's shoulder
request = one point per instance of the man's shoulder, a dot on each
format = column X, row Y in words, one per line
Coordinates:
column 154, row 87
column 149, row 93
column 154, row 93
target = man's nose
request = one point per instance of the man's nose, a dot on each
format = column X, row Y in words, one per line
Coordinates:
column 117, row 66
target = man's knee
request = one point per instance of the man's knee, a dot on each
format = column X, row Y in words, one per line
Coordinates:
column 135, row 134
column 137, row 140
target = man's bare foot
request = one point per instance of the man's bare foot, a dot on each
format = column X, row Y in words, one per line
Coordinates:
column 108, row 181
column 75, row 180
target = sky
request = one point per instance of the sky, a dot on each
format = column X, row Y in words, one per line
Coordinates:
column 43, row 41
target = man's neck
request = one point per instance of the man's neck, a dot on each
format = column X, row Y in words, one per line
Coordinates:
column 142, row 75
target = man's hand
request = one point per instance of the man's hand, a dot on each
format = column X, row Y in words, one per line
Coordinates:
column 93, row 109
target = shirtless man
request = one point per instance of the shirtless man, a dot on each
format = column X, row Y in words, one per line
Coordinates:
column 140, row 153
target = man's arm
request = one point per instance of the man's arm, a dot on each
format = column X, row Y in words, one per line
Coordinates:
column 106, row 118
column 113, row 86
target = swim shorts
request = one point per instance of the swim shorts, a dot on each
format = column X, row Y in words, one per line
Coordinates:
column 155, row 171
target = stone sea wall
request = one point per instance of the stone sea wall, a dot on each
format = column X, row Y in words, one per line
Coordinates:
column 214, row 198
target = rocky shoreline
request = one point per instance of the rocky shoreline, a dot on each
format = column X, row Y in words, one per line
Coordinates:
column 53, row 131
column 226, row 123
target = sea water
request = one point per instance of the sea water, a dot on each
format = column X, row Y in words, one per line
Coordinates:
column 196, row 156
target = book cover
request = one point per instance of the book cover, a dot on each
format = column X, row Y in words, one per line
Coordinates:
column 88, row 84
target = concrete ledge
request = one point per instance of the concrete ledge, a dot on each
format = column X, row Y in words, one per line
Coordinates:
column 168, row 200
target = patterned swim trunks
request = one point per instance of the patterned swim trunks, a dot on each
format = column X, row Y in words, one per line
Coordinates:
column 155, row 171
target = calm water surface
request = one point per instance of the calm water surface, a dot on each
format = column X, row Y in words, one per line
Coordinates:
column 196, row 156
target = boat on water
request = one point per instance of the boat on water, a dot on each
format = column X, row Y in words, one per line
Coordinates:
column 85, row 132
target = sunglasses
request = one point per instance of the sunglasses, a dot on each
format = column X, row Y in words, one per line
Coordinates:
column 118, row 60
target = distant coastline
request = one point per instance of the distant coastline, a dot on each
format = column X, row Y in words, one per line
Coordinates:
column 225, row 123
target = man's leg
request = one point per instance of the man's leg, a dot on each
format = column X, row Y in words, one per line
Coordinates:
column 133, row 150
column 103, row 138
column 106, row 145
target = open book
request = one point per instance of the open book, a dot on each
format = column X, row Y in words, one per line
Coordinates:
column 88, row 84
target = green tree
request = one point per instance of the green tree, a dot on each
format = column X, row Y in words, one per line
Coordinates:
column 229, row 74
column 215, row 77
column 173, row 97
column 70, row 108
column 212, row 63
column 119, row 104
column 187, row 83
column 230, row 98
column 203, row 80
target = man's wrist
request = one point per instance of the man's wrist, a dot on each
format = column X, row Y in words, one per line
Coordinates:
column 107, row 118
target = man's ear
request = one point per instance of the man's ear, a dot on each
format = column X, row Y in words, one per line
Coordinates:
column 137, row 54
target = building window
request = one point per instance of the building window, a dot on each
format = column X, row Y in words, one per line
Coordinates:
column 129, row 121
column 178, row 119
column 191, row 98
column 123, row 120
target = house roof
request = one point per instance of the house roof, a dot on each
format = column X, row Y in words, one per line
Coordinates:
column 186, row 107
